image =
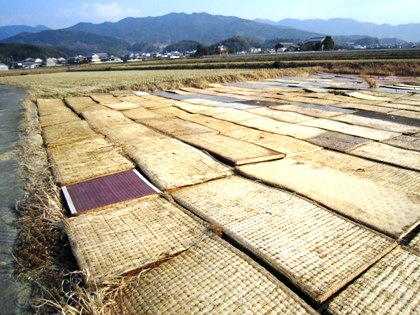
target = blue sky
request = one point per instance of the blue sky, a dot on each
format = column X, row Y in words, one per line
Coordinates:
column 60, row 14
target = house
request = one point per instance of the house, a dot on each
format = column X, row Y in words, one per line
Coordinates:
column 98, row 57
column 52, row 62
column 3, row 67
column 314, row 43
column 285, row 46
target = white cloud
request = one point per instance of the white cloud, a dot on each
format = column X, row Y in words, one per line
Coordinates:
column 107, row 11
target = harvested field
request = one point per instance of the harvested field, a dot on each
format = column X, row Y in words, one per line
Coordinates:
column 322, row 206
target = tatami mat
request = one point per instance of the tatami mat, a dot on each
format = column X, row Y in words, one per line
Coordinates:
column 83, row 160
column 285, row 116
column 389, row 154
column 313, row 110
column 405, row 142
column 176, row 127
column 82, row 104
column 170, row 163
column 391, row 211
column 129, row 236
column 51, row 106
column 337, row 141
column 101, row 120
column 121, row 106
column 317, row 250
column 210, row 278
column 391, row 286
column 235, row 151
column 104, row 98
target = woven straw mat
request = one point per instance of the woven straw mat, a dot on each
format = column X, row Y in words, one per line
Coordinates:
column 387, row 153
column 82, row 104
column 170, row 163
column 141, row 114
column 386, row 175
column 210, row 278
column 378, row 124
column 173, row 111
column 66, row 133
column 283, row 128
column 101, row 120
column 237, row 152
column 79, row 161
column 317, row 250
column 130, row 236
column 391, row 286
column 272, row 141
column 386, row 209
column 358, row 131
column 285, row 116
column 337, row 141
column 415, row 243
column 174, row 126
column 405, row 142
column 229, row 114
column 368, row 97
column 222, row 126
column 122, row 105
column 105, row 99
column 51, row 106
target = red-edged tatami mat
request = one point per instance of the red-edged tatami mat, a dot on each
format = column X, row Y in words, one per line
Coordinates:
column 107, row 190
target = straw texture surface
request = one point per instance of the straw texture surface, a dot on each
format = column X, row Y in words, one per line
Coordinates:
column 388, row 210
column 386, row 175
column 387, row 153
column 129, row 236
column 358, row 131
column 229, row 114
column 143, row 102
column 316, row 249
column 283, row 128
column 272, row 141
column 122, row 105
column 285, row 116
column 51, row 106
column 101, row 120
column 79, row 161
column 237, row 152
column 141, row 114
column 378, row 124
column 170, row 163
column 192, row 108
column 173, row 111
column 312, row 110
column 407, row 113
column 368, row 97
column 105, row 98
column 66, row 133
column 392, row 286
column 82, row 104
column 176, row 127
column 58, row 118
column 222, row 126
column 337, row 141
column 415, row 243
column 210, row 278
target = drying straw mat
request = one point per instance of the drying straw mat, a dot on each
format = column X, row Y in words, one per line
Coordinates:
column 130, row 236
column 285, row 116
column 51, row 106
column 415, row 243
column 202, row 101
column 141, row 114
column 131, row 134
column 272, row 141
column 405, row 142
column 146, row 103
column 83, row 160
column 317, row 250
column 229, row 114
column 105, row 98
column 59, row 118
column 386, row 209
column 358, row 131
column 386, row 175
column 406, row 113
column 101, row 120
column 283, row 128
column 391, row 286
column 222, row 126
column 387, row 153
column 372, row 108
column 211, row 278
column 192, row 108
column 66, row 133
column 235, row 151
column 122, row 106
column 104, row 191
column 337, row 141
column 312, row 110
column 173, row 111
column 368, row 97
column 82, row 104
column 378, row 124
column 175, row 127
column 170, row 163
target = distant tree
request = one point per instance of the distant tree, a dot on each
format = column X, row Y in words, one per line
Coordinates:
column 201, row 50
column 328, row 43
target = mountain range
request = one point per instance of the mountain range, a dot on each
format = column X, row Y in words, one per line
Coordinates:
column 348, row 27
column 132, row 34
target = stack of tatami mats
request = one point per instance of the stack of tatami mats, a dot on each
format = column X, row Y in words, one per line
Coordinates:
column 54, row 112
column 387, row 209
column 391, row 286
column 170, row 163
column 131, row 236
column 210, row 278
column 317, row 250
